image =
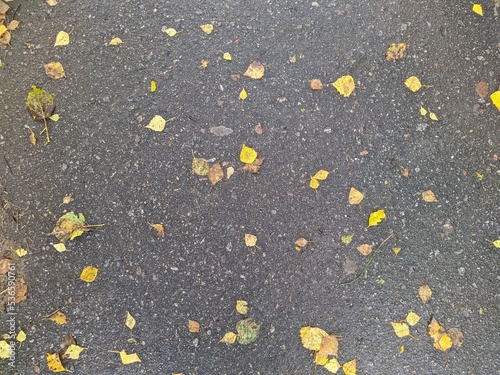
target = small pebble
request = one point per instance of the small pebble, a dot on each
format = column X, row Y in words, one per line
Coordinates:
column 461, row 271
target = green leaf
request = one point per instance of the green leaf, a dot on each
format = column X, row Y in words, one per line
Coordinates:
column 40, row 104
column 248, row 331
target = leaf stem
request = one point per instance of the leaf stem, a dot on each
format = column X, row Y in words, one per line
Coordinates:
column 367, row 263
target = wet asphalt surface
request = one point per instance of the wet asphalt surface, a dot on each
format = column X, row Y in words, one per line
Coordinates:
column 126, row 177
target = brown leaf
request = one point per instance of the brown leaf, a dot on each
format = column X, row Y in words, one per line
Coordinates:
column 235, row 77
column 67, row 341
column 20, row 291
column 258, row 129
column 316, row 84
column 301, row 242
column 456, row 336
column 4, row 266
column 482, row 89
column 365, row 249
column 215, row 173
column 193, row 326
column 254, row 167
column 13, row 25
column 425, row 293
column 32, row 137
column 255, row 70
column 54, row 70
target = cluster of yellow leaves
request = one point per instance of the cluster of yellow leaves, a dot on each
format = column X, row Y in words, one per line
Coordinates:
column 402, row 329
column 5, row 348
column 444, row 340
column 321, row 175
column 432, row 115
column 5, row 35
column 69, row 350
column 326, row 350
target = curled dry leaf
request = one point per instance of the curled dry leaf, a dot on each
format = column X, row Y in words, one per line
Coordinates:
column 301, row 242
column 254, row 167
column 159, row 228
column 215, row 173
column 316, row 84
column 428, row 196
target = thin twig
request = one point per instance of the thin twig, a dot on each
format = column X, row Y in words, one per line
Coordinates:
column 367, row 263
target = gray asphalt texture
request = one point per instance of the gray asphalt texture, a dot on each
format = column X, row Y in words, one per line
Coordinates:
column 126, row 177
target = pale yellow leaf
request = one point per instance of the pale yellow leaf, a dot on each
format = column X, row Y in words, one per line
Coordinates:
column 396, row 251
column 89, row 274
column 229, row 338
column 344, row 85
column 52, row 3
column 425, row 293
column 433, row 116
column 413, row 83
column 115, row 42
column 412, row 318
column 401, row 329
column 495, row 99
column 332, row 365
column 401, row 349
column 54, row 70
column 321, row 175
column 495, row 243
column 428, row 196
column 229, row 172
column 207, row 28
column 478, row 9
column 21, row 336
column 62, row 39
column 376, row 217
column 55, row 117
column 21, row 252
column 349, row 367
column 347, row 239
column 423, row 111
column 365, row 249
column 67, row 199
column 59, row 318
column 200, row 166
column 435, row 329
column 355, row 196
column 242, row 307
column 171, row 31
column 227, row 56
column 130, row 321
column 59, row 247
column 73, row 351
column 129, row 358
column 247, row 154
column 243, row 94
column 250, row 240
column 193, row 326
column 5, row 349
column 157, row 124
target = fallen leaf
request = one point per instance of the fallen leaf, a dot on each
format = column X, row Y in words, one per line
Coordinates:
column 59, row 247
column 425, row 293
column 152, row 86
column 204, row 64
column 412, row 318
column 248, row 331
column 250, row 240
column 314, row 183
column 229, row 172
column 52, row 3
column 200, row 166
column 344, row 85
column 221, row 131
column 413, row 83
column 477, row 8
column 58, row 317
column 62, row 39
column 495, row 243
column 255, row 70
column 13, row 25
column 129, row 358
column 55, row 117
column 5, row 266
column 329, row 346
column 54, row 362
column 435, row 329
column 89, row 274
column 254, row 167
column 428, row 196
column 130, row 321
column 73, row 351
column 395, row 51
column 482, row 89
column 207, row 28
column 242, row 307
column 40, row 103
column 157, row 124
column 21, row 289
column 433, row 116
column 479, row 175
column 312, row 337
column 247, row 154
column 301, row 242
column 227, row 56
column 316, row 84
column 365, row 249
column 215, row 173
column 32, row 137
column 396, row 251
column 321, row 175
column 401, row 349
column 66, row 342
column 67, row 199
column 423, row 111
column 170, row 32
column 401, row 329
column 456, row 336
column 159, row 228
column 193, row 326
column 444, row 343
column 347, row 239
column 5, row 349
column 115, row 42
column 70, row 226
column 376, row 217
column 243, row 94
column 355, row 196
column 332, row 365
column 349, row 368
column 495, row 99
column 229, row 338
column 21, row 252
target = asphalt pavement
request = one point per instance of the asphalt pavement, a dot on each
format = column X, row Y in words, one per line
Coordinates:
column 126, row 176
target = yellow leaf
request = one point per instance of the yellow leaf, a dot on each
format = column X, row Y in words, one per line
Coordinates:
column 401, row 329
column 76, row 233
column 62, row 39
column 365, row 249
column 55, row 117
column 250, row 240
column 170, row 32
column 495, row 243
column 21, row 336
column 401, row 349
column 477, row 8
column 247, row 154
column 200, row 166
column 479, row 175
column 344, row 85
column 396, row 251
column 160, row 229
column 54, row 362
column 349, row 367
column 193, row 326
column 423, row 111
column 67, row 199
column 5, row 349
column 425, row 293
column 115, row 42
column 444, row 343
column 153, row 86
column 413, row 83
column 243, row 94
column 73, row 351
column 376, row 217
column 395, row 51
column 412, row 318
column 21, row 252
column 130, row 321
column 227, row 56
column 495, row 99
column 312, row 337
column 347, row 239
column 229, row 338
column 329, row 346
column 321, row 175
column 313, row 184
column 355, row 196
column 316, row 84
column 157, row 124
column 433, row 116
column 54, row 70
column 428, row 196
column 89, row 274
column 204, row 64
column 3, row 29
column 52, row 3
column 59, row 247
column 255, row 70
column 332, row 365
column 129, row 358
column 435, row 329
column 207, row 28
column 242, row 307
